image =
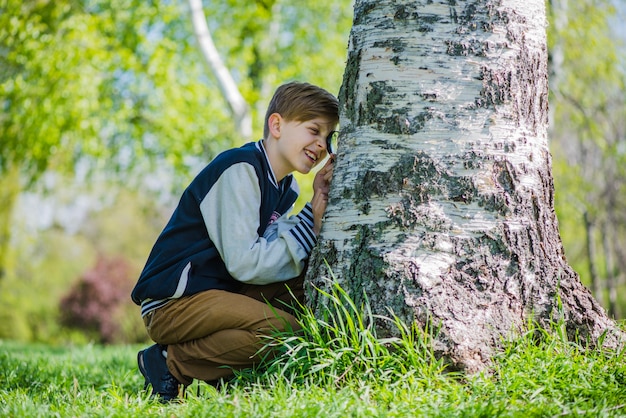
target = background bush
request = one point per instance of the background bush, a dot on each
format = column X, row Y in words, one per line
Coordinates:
column 97, row 302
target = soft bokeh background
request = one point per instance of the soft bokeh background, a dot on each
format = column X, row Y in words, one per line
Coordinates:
column 108, row 111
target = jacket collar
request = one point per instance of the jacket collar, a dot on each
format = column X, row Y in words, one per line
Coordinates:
column 270, row 173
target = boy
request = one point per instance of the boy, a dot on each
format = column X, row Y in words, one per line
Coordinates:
column 221, row 274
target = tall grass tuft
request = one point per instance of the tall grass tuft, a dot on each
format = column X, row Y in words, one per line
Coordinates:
column 340, row 347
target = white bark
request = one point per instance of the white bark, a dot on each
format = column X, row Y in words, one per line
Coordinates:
column 238, row 105
column 441, row 207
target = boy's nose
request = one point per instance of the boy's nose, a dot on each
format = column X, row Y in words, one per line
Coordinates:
column 322, row 143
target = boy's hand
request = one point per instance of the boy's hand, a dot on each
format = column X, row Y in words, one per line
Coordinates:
column 321, row 187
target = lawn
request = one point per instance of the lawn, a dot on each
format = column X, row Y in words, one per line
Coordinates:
column 337, row 368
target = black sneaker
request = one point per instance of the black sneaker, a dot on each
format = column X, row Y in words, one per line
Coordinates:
column 153, row 367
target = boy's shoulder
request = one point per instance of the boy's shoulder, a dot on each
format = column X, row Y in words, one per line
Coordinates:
column 248, row 152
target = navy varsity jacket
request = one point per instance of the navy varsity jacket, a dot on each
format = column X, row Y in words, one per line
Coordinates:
column 230, row 227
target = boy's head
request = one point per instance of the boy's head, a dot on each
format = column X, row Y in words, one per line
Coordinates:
column 301, row 102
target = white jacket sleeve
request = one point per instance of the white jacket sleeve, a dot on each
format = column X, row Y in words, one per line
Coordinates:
column 231, row 215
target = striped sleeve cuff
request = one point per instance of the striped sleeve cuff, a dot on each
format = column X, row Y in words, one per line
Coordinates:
column 303, row 231
column 306, row 215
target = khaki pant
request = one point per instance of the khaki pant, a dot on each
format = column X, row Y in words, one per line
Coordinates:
column 210, row 330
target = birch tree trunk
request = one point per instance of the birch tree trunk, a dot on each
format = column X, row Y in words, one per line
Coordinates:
column 441, row 206
column 237, row 104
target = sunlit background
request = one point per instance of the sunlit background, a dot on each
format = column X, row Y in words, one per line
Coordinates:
column 108, row 111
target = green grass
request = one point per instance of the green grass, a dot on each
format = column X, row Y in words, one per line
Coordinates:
column 336, row 368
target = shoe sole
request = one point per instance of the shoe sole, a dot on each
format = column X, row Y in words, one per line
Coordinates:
column 142, row 369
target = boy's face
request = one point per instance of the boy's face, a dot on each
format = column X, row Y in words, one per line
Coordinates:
column 300, row 145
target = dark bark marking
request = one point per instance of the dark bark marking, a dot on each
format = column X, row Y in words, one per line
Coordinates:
column 362, row 12
column 375, row 96
column 497, row 88
column 365, row 263
column 466, row 48
column 350, row 79
column 396, row 45
column 506, row 177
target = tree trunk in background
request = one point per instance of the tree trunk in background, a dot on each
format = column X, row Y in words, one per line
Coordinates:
column 611, row 285
column 9, row 191
column 238, row 105
column 590, row 242
column 441, row 207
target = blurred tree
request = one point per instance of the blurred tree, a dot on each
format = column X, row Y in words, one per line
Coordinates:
column 238, row 105
column 588, row 139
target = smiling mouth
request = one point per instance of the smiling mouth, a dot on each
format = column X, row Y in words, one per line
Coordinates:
column 312, row 156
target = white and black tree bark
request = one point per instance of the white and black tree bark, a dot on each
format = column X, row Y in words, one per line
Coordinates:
column 441, row 206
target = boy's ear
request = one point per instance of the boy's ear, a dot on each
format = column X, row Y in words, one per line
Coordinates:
column 274, row 123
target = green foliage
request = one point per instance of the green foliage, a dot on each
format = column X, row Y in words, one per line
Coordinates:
column 29, row 295
column 122, row 80
column 112, row 84
column 570, row 192
column 97, row 78
column 9, row 191
column 349, row 372
column 267, row 43
column 48, row 263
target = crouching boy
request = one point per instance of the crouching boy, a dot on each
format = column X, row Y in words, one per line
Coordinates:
column 222, row 273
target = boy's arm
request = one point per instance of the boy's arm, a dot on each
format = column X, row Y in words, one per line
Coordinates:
column 231, row 215
column 313, row 211
column 287, row 222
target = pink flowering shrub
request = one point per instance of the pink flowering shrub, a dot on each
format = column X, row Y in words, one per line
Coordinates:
column 96, row 300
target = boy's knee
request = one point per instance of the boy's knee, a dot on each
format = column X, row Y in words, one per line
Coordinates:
column 284, row 323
